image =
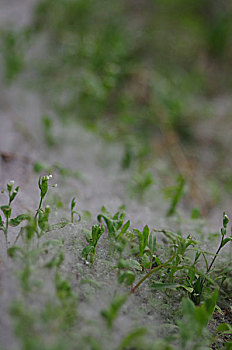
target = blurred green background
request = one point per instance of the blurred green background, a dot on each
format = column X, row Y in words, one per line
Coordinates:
column 145, row 73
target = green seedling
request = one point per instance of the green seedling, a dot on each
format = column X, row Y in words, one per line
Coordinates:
column 141, row 183
column 73, row 204
column 147, row 248
column 193, row 328
column 114, row 223
column 7, row 210
column 127, row 270
column 43, row 186
column 174, row 263
column 178, row 193
column 224, row 240
column 132, row 339
column 92, row 238
column 198, row 286
column 143, row 239
column 63, row 288
column 112, row 312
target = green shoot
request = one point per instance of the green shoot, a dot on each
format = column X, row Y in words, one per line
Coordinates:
column 6, row 209
column 43, row 186
column 179, row 190
column 73, row 204
column 112, row 312
column 92, row 238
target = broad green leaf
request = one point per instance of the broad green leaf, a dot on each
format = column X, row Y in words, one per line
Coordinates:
column 6, row 209
column 188, row 307
column 152, row 242
column 210, row 303
column 141, row 242
column 224, row 327
column 16, row 221
column 145, row 235
column 226, row 240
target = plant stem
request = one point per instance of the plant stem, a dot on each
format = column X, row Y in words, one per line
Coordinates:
column 146, row 276
column 40, row 204
column 164, row 266
column 215, row 256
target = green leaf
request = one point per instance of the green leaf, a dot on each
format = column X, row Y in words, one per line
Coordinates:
column 141, row 245
column 2, row 228
column 109, row 223
column 224, row 327
column 97, row 231
column 43, row 185
column 16, row 221
column 43, row 219
column 189, row 289
column 124, row 228
column 131, row 337
column 13, row 195
column 12, row 251
column 145, row 235
column 226, row 240
column 177, row 196
column 211, row 302
column 73, row 203
column 112, row 312
column 86, row 251
column 225, row 220
column 128, row 277
column 152, row 242
column 6, row 209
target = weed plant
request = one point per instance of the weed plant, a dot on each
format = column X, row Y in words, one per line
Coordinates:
column 137, row 256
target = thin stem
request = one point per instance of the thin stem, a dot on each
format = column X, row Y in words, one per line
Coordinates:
column 145, row 277
column 40, row 204
column 6, row 239
column 168, row 267
column 6, row 231
column 215, row 256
